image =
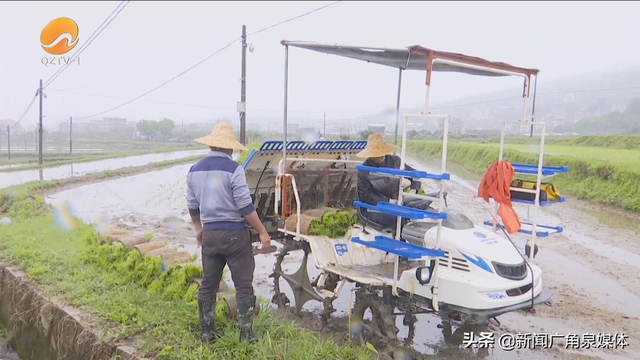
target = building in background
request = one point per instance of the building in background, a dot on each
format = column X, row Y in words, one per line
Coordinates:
column 104, row 125
column 110, row 124
column 377, row 128
column 15, row 127
column 85, row 126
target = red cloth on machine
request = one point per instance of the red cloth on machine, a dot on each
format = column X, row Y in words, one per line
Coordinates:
column 496, row 183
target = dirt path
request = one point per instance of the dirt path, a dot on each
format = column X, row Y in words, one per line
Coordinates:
column 591, row 267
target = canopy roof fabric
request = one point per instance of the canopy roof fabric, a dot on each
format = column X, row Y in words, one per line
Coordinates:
column 417, row 58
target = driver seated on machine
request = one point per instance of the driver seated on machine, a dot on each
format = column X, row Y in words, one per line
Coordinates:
column 373, row 188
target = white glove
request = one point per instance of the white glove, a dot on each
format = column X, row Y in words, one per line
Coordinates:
column 405, row 183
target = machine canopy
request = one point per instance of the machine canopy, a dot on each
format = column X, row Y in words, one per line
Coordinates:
column 417, row 58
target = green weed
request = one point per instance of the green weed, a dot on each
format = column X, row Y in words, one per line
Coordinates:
column 134, row 297
column 598, row 181
column 631, row 142
column 244, row 154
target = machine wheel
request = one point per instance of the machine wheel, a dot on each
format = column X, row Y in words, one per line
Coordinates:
column 299, row 283
column 232, row 306
column 230, row 302
column 381, row 331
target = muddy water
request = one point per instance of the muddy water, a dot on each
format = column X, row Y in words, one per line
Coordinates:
column 6, row 353
column 592, row 269
column 79, row 169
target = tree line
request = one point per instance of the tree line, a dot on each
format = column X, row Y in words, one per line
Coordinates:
column 156, row 130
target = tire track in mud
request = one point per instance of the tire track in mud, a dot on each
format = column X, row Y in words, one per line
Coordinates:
column 606, row 302
column 591, row 268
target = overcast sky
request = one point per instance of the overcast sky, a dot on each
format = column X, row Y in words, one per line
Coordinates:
column 150, row 42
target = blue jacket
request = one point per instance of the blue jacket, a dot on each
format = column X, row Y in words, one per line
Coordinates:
column 217, row 191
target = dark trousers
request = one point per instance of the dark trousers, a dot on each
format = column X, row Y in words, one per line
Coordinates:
column 227, row 247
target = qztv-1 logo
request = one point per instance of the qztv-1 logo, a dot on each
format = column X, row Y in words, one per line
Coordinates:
column 59, row 37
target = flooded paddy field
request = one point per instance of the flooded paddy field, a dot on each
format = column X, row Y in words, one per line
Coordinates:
column 591, row 267
column 67, row 171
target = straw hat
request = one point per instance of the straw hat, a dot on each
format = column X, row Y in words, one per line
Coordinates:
column 376, row 147
column 222, row 137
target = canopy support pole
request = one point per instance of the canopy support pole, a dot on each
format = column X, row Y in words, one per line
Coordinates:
column 286, row 103
column 398, row 104
column 533, row 108
column 430, row 60
column 525, row 97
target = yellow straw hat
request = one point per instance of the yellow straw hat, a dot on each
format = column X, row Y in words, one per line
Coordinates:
column 376, row 147
column 222, row 137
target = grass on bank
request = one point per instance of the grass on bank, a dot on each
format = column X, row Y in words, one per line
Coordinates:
column 598, row 181
column 606, row 141
column 621, row 157
column 133, row 297
column 65, row 159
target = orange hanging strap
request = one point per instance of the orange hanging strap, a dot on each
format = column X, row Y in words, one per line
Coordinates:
column 496, row 184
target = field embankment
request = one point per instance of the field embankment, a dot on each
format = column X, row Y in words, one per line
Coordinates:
column 91, row 151
column 631, row 142
column 599, row 174
column 132, row 299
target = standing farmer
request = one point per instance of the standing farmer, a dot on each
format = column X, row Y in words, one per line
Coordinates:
column 220, row 206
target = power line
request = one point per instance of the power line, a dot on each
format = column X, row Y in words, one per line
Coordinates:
column 294, row 18
column 322, row 111
column 150, row 101
column 136, row 75
column 76, row 54
column 212, row 107
column 183, row 61
column 475, row 103
column 593, row 90
column 81, row 49
column 205, row 59
column 164, row 83
column 93, row 36
column 28, row 108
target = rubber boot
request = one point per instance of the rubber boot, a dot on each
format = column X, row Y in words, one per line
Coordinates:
column 207, row 314
column 245, row 317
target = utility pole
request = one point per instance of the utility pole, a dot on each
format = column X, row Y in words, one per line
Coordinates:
column 243, row 87
column 70, row 135
column 24, row 132
column 324, row 126
column 182, row 127
column 40, row 128
column 8, row 142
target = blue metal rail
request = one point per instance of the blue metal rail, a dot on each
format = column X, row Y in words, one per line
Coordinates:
column 412, row 174
column 403, row 211
column 399, row 248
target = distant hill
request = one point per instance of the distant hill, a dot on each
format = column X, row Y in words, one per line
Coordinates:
column 625, row 122
column 561, row 101
column 586, row 102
